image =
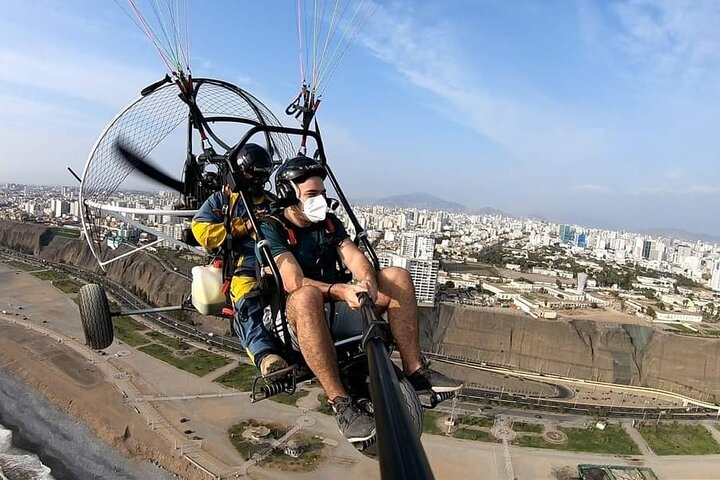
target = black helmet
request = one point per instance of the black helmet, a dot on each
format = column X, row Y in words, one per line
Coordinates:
column 256, row 164
column 296, row 170
column 299, row 169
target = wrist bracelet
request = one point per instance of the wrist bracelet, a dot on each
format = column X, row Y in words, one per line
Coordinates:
column 330, row 288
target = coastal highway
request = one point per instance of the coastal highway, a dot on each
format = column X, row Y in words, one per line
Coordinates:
column 705, row 409
column 550, row 378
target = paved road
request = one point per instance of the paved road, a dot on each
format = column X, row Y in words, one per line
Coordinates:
column 209, row 417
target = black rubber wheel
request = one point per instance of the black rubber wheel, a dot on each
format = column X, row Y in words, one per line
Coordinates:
column 414, row 408
column 95, row 316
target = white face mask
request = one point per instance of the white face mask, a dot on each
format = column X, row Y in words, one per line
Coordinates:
column 315, row 208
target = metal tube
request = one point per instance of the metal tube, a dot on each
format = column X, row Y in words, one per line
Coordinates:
column 400, row 452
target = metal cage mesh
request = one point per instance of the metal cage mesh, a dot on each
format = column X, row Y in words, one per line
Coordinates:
column 144, row 124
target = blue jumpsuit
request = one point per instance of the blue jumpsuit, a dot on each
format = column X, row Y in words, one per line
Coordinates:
column 209, row 229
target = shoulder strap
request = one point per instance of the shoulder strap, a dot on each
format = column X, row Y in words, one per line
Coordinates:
column 290, row 236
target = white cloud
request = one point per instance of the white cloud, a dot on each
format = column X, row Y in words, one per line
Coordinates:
column 690, row 190
column 672, row 37
column 74, row 74
column 428, row 57
column 591, row 189
column 15, row 109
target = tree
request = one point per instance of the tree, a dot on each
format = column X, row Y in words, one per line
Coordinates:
column 649, row 294
column 558, row 283
column 449, row 284
column 650, row 311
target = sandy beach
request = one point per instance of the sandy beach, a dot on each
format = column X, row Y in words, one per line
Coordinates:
column 65, row 445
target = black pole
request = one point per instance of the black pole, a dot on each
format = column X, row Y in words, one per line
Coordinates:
column 400, row 451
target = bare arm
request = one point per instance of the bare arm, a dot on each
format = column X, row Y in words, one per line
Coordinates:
column 293, row 278
column 360, row 267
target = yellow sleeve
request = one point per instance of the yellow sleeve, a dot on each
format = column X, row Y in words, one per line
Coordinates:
column 238, row 228
column 209, row 235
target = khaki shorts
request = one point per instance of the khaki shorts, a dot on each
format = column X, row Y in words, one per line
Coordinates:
column 343, row 322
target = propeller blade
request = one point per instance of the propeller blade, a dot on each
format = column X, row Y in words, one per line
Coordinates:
column 147, row 169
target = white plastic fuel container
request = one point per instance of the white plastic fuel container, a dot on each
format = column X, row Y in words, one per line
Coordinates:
column 207, row 284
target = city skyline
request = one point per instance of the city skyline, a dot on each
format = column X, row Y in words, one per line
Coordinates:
column 589, row 113
column 676, row 234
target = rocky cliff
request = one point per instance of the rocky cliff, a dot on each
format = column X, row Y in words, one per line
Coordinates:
column 28, row 238
column 139, row 273
column 626, row 354
column 617, row 353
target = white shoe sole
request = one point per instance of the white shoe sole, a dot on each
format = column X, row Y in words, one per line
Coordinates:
column 359, row 439
column 446, row 389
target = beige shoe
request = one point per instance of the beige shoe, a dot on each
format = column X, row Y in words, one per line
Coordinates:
column 272, row 363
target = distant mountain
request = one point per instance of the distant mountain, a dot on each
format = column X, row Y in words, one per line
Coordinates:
column 490, row 211
column 429, row 202
column 682, row 234
column 421, row 200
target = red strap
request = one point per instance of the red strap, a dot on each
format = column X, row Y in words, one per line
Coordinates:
column 226, row 286
column 292, row 240
column 227, row 311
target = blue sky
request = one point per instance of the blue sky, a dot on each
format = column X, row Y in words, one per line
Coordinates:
column 596, row 112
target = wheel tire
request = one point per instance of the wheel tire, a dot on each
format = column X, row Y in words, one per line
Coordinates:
column 95, row 316
column 414, row 408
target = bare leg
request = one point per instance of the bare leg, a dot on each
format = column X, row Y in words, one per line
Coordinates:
column 397, row 296
column 307, row 317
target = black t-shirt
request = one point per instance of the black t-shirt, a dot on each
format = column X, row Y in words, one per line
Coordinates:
column 316, row 247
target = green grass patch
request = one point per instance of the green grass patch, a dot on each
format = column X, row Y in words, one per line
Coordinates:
column 171, row 342
column 199, row 362
column 128, row 330
column 247, row 447
column 678, row 439
column 324, row 405
column 66, row 232
column 537, row 442
column 527, row 427
column 476, row 421
column 477, row 435
column 308, row 461
column 21, row 265
column 240, row 378
column 49, row 275
column 430, row 422
column 59, row 280
column 67, row 285
column 290, row 399
column 612, row 440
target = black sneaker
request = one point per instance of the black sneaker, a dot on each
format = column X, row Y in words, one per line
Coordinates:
column 426, row 379
column 354, row 423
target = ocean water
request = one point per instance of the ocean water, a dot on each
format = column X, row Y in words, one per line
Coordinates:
column 18, row 464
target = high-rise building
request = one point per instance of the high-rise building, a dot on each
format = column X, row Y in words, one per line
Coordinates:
column 647, row 246
column 715, row 279
column 567, row 234
column 657, row 251
column 638, row 247
column 413, row 245
column 30, row 208
column 423, row 273
column 581, row 240
column 59, row 207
